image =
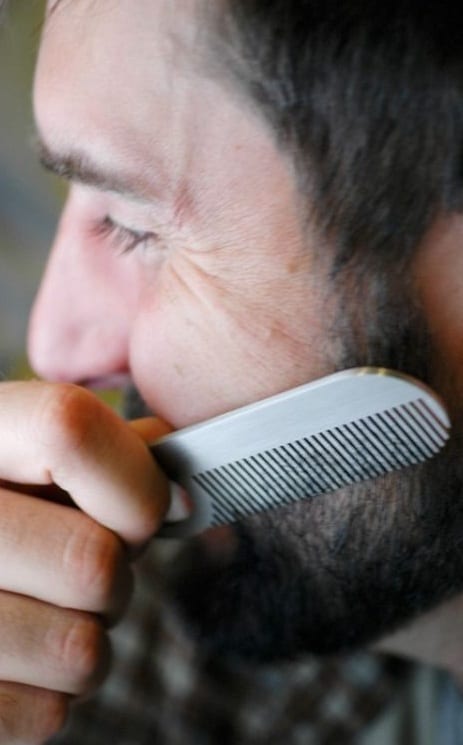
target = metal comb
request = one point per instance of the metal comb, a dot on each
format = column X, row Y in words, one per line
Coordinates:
column 348, row 427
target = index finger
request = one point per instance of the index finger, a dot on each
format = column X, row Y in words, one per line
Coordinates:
column 62, row 434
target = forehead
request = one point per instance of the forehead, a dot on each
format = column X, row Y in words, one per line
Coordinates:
column 117, row 76
column 167, row 30
column 102, row 39
column 175, row 11
column 127, row 85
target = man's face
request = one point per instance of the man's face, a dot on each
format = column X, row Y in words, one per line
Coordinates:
column 198, row 284
column 181, row 264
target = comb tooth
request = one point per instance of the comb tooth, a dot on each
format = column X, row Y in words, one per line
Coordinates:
column 431, row 436
column 221, row 515
column 264, row 493
column 344, row 455
column 332, row 472
column 304, row 474
column 227, row 503
column 244, row 496
column 308, row 469
column 254, row 476
column 418, row 429
column 340, row 459
column 312, row 469
column 379, row 454
column 295, row 481
column 214, row 487
column 220, row 475
column 295, row 484
column 414, row 450
column 286, row 490
column 269, row 461
column 365, row 466
column 256, row 466
column 434, row 426
column 398, row 425
column 363, row 451
column 347, row 466
column 432, row 416
column 220, row 512
column 390, row 442
column 377, row 446
column 248, row 477
column 419, row 432
column 244, row 491
column 425, row 431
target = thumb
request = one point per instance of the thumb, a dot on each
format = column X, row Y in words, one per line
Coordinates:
column 150, row 428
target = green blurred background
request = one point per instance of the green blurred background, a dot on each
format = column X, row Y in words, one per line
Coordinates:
column 29, row 198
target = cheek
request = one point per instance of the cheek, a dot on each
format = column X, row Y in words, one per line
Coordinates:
column 183, row 354
column 198, row 350
column 172, row 362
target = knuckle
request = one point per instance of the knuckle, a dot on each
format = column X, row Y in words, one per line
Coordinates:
column 9, row 712
column 80, row 650
column 92, row 559
column 30, row 715
column 51, row 715
column 65, row 415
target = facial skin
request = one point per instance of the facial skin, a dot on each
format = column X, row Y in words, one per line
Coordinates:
column 205, row 314
column 203, row 288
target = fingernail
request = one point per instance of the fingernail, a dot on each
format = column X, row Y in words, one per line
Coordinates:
column 180, row 504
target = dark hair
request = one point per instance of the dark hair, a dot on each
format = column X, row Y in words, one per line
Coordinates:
column 367, row 96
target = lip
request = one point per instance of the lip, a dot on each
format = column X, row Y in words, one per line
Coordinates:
column 109, row 383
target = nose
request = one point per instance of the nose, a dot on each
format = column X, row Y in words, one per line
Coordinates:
column 80, row 323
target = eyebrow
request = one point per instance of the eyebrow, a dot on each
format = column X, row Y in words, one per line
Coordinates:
column 78, row 167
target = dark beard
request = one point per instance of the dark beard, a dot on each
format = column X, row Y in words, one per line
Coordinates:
column 336, row 572
column 330, row 575
column 134, row 406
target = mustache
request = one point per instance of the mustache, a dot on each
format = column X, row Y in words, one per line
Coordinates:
column 133, row 404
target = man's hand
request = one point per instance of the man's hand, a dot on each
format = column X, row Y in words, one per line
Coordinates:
column 64, row 572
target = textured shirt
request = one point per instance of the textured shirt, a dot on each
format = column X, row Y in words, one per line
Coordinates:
column 163, row 689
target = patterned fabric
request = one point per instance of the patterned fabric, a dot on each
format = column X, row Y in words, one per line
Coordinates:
column 163, row 691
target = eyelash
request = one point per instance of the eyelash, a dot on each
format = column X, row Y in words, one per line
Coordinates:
column 125, row 239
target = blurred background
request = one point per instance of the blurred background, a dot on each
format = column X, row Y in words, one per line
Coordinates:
column 29, row 198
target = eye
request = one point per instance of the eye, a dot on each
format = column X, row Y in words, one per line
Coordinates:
column 124, row 239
